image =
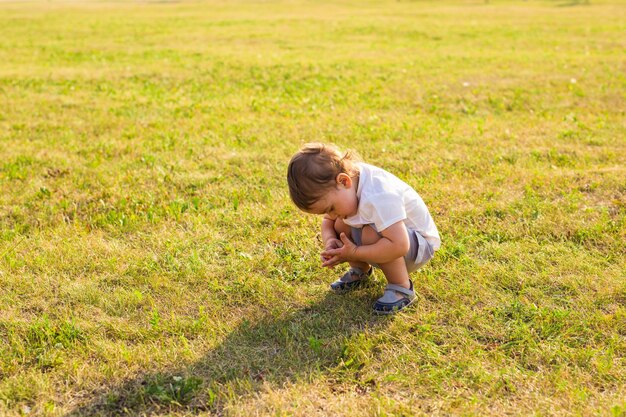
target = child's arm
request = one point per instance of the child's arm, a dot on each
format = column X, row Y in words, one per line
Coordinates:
column 394, row 244
column 328, row 230
column 329, row 236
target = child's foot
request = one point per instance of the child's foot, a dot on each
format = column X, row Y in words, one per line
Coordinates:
column 350, row 279
column 395, row 299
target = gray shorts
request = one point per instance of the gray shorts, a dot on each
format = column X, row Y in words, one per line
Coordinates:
column 418, row 255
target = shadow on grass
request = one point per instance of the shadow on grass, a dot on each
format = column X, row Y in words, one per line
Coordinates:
column 298, row 345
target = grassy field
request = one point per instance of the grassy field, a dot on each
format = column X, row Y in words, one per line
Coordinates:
column 151, row 262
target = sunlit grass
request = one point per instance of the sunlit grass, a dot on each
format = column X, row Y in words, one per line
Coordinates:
column 151, row 261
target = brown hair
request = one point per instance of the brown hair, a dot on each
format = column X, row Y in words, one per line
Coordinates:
column 312, row 172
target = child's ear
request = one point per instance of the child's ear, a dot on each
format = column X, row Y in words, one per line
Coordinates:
column 345, row 180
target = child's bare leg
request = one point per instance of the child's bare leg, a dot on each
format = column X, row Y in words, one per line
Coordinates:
column 340, row 227
column 395, row 271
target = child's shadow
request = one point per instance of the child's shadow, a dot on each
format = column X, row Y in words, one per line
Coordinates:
column 266, row 351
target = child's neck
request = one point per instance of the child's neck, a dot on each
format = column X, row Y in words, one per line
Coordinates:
column 355, row 183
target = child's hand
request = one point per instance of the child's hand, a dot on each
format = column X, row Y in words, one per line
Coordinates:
column 342, row 254
column 331, row 244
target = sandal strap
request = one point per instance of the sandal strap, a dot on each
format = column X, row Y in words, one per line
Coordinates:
column 401, row 290
column 354, row 271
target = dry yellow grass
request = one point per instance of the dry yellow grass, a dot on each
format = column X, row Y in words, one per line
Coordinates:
column 152, row 264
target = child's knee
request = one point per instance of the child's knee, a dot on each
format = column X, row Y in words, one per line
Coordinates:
column 340, row 227
column 369, row 235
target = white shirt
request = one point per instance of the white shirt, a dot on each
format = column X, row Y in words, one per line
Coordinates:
column 385, row 199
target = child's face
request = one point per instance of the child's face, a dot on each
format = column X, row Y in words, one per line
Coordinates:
column 340, row 202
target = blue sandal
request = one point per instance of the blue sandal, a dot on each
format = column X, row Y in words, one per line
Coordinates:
column 389, row 302
column 346, row 283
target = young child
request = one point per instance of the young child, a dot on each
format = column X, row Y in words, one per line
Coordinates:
column 371, row 219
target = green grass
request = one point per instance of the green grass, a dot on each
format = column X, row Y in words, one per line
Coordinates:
column 152, row 263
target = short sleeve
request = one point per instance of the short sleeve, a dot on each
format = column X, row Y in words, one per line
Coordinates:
column 385, row 209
